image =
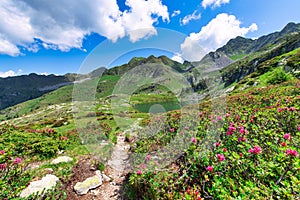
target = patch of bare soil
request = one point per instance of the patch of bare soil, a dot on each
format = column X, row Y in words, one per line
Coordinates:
column 81, row 171
column 117, row 170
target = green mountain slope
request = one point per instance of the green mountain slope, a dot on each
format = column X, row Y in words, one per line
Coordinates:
column 22, row 88
column 18, row 89
column 238, row 144
column 253, row 62
column 108, row 79
column 243, row 46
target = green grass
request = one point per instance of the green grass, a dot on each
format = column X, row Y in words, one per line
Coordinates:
column 106, row 85
column 242, row 175
column 247, row 176
column 149, row 98
column 237, row 57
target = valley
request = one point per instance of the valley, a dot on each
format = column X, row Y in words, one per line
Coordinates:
column 225, row 127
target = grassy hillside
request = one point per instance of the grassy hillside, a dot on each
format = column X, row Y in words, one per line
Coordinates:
column 246, row 149
column 250, row 151
column 241, row 141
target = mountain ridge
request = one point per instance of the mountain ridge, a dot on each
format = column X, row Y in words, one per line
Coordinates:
column 243, row 45
column 226, row 60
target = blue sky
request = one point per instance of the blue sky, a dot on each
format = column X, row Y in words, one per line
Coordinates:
column 57, row 37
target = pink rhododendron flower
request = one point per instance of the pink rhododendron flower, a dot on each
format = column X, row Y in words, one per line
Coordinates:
column 186, row 128
column 172, row 130
column 218, row 144
column 227, row 115
column 299, row 128
column 210, row 168
column 2, row 166
column 144, row 166
column 193, row 140
column 241, row 139
column 213, row 121
column 252, row 119
column 219, row 118
column 255, row 150
column 287, row 136
column 148, row 157
column 224, row 150
column 283, row 144
column 279, row 109
column 229, row 133
column 220, row 157
column 2, row 152
column 242, row 130
column 290, row 152
column 50, row 130
column 231, row 128
column 64, row 138
column 139, row 172
column 292, row 109
column 188, row 191
column 17, row 160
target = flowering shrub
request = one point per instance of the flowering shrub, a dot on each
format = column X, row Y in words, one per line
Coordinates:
column 21, row 145
column 255, row 150
column 12, row 175
column 251, row 154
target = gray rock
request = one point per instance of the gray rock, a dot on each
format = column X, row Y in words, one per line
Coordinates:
column 49, row 170
column 88, row 184
column 47, row 182
column 106, row 178
column 62, row 159
column 230, row 89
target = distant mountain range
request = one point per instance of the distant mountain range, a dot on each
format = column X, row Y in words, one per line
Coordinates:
column 234, row 61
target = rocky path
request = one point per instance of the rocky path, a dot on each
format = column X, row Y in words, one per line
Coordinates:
column 118, row 168
column 87, row 183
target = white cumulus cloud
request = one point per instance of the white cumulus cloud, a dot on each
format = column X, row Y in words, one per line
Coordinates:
column 138, row 22
column 214, row 3
column 175, row 13
column 10, row 73
column 214, row 35
column 188, row 18
column 177, row 57
column 191, row 50
column 64, row 24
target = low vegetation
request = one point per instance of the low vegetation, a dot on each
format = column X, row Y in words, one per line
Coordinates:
column 239, row 144
column 251, row 153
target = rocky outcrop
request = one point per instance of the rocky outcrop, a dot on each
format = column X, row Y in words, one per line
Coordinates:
column 61, row 159
column 46, row 183
column 88, row 184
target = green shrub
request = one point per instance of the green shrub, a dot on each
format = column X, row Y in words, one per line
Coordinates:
column 279, row 76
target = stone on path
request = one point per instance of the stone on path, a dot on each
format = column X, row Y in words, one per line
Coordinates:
column 47, row 182
column 106, row 178
column 89, row 183
column 62, row 159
